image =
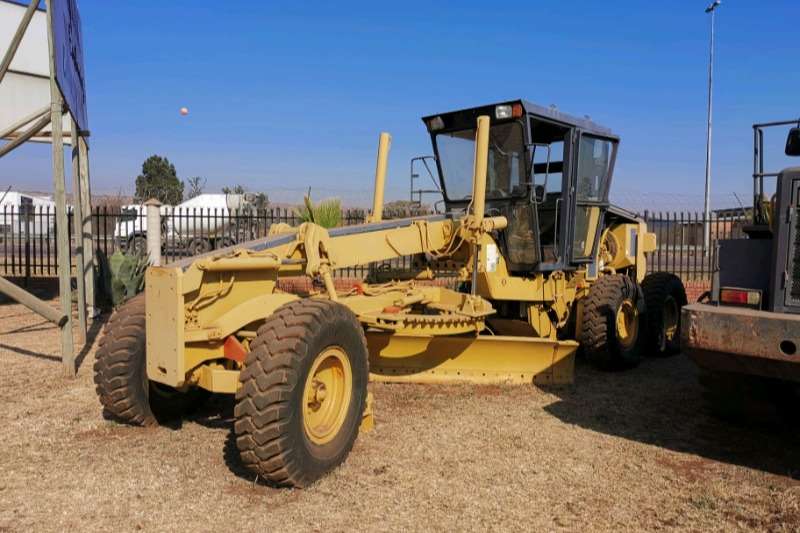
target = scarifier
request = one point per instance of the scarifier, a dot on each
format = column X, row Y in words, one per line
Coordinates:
column 541, row 262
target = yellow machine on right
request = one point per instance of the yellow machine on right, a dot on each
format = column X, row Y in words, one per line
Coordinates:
column 745, row 338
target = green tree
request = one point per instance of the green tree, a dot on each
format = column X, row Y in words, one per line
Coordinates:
column 159, row 180
column 195, row 186
column 236, row 189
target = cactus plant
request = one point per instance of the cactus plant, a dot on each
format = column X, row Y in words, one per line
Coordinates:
column 122, row 275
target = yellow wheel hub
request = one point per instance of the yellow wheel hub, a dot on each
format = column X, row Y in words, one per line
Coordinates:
column 326, row 395
column 627, row 322
column 671, row 315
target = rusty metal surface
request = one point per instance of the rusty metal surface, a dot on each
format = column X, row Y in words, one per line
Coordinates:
column 747, row 341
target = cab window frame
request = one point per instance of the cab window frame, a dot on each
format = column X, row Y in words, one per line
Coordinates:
column 524, row 188
column 577, row 256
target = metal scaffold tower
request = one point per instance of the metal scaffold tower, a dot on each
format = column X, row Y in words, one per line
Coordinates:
column 43, row 99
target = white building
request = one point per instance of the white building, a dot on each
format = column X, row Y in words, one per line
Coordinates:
column 20, row 213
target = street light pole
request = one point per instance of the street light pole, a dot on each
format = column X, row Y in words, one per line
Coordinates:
column 707, row 210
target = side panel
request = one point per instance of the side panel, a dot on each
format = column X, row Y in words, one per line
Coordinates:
column 165, row 325
column 745, row 263
column 785, row 293
column 635, row 242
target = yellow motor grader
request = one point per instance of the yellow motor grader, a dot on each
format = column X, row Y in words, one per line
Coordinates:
column 543, row 264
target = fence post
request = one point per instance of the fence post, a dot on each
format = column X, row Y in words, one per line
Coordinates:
column 27, row 214
column 153, row 231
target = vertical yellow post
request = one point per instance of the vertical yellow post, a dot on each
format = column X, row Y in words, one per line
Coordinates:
column 479, row 170
column 479, row 192
column 384, row 143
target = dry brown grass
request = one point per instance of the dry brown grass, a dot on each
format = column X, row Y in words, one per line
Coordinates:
column 627, row 451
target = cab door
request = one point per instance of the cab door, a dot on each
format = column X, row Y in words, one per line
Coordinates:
column 594, row 164
column 551, row 149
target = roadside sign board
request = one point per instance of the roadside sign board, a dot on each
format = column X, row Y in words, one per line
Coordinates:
column 69, row 58
column 26, row 87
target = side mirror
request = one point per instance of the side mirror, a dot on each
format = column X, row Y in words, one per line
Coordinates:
column 793, row 142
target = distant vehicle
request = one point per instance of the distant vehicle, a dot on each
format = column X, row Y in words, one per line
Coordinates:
column 198, row 225
column 130, row 231
column 22, row 214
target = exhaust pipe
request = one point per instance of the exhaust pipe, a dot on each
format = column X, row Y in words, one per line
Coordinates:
column 479, row 192
column 384, row 144
column 479, row 169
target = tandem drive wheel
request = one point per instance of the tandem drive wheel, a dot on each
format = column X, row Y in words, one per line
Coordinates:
column 665, row 297
column 303, row 392
column 611, row 331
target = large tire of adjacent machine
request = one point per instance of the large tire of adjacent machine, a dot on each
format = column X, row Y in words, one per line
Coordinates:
column 120, row 374
column 611, row 329
column 664, row 298
column 303, row 392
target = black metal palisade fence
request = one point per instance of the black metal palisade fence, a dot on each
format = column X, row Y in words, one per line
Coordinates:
column 28, row 244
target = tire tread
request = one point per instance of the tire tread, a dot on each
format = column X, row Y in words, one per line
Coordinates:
column 263, row 408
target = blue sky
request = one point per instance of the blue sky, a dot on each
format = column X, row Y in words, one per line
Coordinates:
column 287, row 95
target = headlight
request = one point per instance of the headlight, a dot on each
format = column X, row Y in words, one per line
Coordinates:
column 505, row 111
column 436, row 123
column 502, row 112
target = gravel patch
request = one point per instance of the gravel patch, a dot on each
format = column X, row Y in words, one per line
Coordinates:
column 622, row 451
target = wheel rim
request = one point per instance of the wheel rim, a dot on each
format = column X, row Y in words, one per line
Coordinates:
column 326, row 395
column 627, row 323
column 671, row 319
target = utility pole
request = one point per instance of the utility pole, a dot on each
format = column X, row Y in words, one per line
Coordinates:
column 707, row 210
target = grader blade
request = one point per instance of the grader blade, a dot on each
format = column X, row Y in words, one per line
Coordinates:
column 469, row 359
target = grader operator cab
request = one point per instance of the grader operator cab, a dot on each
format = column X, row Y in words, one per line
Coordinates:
column 542, row 262
column 548, row 174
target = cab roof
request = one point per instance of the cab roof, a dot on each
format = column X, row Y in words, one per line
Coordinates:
column 457, row 119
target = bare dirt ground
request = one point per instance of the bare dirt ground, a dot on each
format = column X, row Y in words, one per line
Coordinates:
column 629, row 451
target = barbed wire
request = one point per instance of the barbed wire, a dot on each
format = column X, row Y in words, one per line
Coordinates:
column 640, row 201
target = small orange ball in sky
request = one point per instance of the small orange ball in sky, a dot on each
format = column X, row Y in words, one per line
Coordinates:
column 184, row 111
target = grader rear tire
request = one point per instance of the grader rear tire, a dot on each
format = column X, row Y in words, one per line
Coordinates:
column 611, row 329
column 303, row 391
column 664, row 297
column 120, row 374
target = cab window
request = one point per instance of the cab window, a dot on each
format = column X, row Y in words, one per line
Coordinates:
column 594, row 163
column 594, row 167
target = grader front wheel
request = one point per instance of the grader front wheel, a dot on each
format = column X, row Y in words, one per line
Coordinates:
column 121, row 379
column 611, row 329
column 303, row 392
